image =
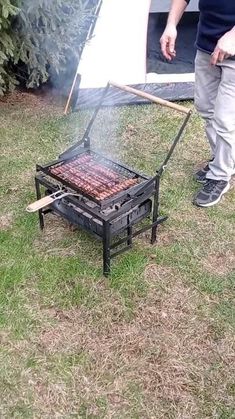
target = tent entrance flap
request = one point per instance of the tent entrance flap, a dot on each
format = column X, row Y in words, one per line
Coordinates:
column 185, row 45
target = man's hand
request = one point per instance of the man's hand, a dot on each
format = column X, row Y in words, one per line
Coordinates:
column 167, row 41
column 225, row 48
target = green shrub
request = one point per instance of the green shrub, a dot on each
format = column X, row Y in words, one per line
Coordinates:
column 43, row 39
column 7, row 48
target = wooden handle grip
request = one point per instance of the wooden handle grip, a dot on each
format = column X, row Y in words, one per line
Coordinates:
column 150, row 97
column 41, row 203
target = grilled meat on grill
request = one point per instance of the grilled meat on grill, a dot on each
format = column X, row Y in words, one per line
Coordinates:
column 93, row 178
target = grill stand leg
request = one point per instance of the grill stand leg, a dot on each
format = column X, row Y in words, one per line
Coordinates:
column 155, row 209
column 129, row 232
column 106, row 248
column 40, row 213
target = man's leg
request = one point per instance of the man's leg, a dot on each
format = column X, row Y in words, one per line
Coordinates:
column 215, row 101
column 222, row 167
column 207, row 80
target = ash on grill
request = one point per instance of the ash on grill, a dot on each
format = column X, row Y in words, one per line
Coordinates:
column 104, row 197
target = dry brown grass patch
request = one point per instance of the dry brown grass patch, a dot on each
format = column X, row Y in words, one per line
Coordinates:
column 33, row 101
column 167, row 350
column 219, row 263
column 50, row 242
column 6, row 221
column 164, row 361
column 167, row 236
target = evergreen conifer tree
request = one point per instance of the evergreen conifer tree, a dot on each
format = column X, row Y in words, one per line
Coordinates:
column 40, row 39
column 7, row 11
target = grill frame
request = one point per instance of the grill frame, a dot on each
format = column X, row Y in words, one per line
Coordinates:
column 122, row 204
column 113, row 245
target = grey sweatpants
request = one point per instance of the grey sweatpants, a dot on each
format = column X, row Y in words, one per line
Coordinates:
column 215, row 101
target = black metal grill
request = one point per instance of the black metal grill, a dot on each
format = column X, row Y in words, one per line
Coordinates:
column 103, row 196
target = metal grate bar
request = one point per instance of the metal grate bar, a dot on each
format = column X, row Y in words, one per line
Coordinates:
column 137, row 233
column 95, row 175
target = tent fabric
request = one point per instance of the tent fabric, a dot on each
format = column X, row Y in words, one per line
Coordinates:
column 185, row 48
column 118, row 52
column 89, row 98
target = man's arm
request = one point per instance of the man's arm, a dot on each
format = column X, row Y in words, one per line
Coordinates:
column 170, row 33
column 176, row 11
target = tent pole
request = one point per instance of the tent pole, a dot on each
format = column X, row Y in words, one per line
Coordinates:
column 70, row 94
column 92, row 27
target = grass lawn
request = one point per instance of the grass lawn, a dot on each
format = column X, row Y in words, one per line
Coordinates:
column 156, row 339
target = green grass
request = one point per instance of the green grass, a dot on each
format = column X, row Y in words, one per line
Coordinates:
column 153, row 340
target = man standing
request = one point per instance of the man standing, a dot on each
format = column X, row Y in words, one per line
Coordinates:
column 214, row 89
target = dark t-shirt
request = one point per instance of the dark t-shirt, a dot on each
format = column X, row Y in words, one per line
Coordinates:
column 216, row 18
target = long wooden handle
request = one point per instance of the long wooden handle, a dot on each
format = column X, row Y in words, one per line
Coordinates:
column 150, row 97
column 41, row 203
column 95, row 14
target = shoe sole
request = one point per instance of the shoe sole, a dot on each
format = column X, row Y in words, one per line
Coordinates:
column 217, row 200
column 201, row 181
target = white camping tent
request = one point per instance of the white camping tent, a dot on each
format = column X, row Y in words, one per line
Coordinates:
column 160, row 6
column 119, row 46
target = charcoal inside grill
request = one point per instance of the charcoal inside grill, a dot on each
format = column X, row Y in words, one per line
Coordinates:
column 95, row 176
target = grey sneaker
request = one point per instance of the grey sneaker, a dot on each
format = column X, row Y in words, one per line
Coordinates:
column 211, row 193
column 200, row 175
